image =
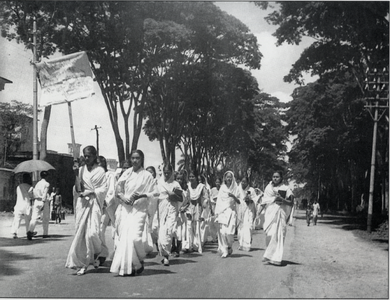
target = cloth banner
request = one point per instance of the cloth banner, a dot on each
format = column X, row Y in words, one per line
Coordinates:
column 65, row 79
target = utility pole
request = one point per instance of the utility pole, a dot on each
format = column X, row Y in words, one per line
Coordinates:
column 377, row 99
column 35, row 101
column 35, row 94
column 97, row 138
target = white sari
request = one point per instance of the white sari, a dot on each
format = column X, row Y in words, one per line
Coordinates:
column 194, row 239
column 168, row 213
column 130, row 221
column 276, row 218
column 225, row 211
column 87, row 243
column 245, row 217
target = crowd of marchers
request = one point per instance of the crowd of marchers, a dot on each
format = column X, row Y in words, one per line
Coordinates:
column 176, row 213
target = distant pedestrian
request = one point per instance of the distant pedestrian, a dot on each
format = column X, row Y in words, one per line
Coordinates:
column 316, row 211
column 51, row 197
column 309, row 212
column 57, row 204
column 22, row 208
column 41, row 207
column 279, row 200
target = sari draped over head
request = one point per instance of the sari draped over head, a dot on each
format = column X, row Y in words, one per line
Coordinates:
column 130, row 221
column 275, row 223
column 224, row 201
column 87, row 243
column 196, row 196
column 225, row 212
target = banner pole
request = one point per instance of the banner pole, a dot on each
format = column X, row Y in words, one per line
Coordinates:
column 72, row 130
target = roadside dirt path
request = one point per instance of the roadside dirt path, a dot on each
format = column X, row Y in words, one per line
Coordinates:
column 333, row 262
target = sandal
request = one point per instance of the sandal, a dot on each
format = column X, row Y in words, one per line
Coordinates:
column 81, row 271
column 96, row 263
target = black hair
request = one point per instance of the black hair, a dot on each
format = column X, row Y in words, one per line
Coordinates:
column 26, row 178
column 43, row 174
column 153, row 169
column 140, row 154
column 279, row 172
column 92, row 150
column 168, row 167
column 183, row 184
column 103, row 162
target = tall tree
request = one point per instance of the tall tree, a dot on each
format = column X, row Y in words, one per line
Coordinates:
column 15, row 117
column 331, row 140
column 190, row 47
column 346, row 35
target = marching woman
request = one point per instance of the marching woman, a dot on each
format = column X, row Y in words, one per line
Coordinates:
column 213, row 197
column 259, row 220
column 168, row 207
column 278, row 199
column 181, row 227
column 197, row 193
column 225, row 213
column 109, row 207
column 205, row 225
column 150, row 235
column 134, row 190
column 87, row 244
column 246, row 215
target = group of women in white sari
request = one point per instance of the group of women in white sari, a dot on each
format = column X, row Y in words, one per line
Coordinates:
column 236, row 210
column 169, row 213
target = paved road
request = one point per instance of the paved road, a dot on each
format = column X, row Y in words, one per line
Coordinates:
column 324, row 261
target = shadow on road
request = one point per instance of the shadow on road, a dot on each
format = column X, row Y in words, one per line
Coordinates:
column 180, row 261
column 10, row 242
column 256, row 249
column 235, row 255
column 288, row 262
column 7, row 258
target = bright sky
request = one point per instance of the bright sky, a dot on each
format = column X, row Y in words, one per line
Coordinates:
column 15, row 66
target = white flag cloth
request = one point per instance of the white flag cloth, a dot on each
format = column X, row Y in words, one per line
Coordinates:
column 65, row 79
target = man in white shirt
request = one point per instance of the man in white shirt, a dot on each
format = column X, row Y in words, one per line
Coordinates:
column 41, row 206
column 316, row 211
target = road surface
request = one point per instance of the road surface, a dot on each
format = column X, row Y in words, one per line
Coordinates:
column 323, row 261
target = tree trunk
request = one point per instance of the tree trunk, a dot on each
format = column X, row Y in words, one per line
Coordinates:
column 44, row 127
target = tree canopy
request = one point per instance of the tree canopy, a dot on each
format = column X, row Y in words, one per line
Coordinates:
column 347, row 35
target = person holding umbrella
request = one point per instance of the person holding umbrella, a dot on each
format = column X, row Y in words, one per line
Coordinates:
column 41, row 206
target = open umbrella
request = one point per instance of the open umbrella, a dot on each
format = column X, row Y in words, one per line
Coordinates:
column 30, row 166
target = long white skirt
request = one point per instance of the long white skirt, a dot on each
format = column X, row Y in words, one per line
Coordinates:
column 87, row 243
column 130, row 251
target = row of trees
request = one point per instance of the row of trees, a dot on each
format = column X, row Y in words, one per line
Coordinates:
column 332, row 130
column 177, row 66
